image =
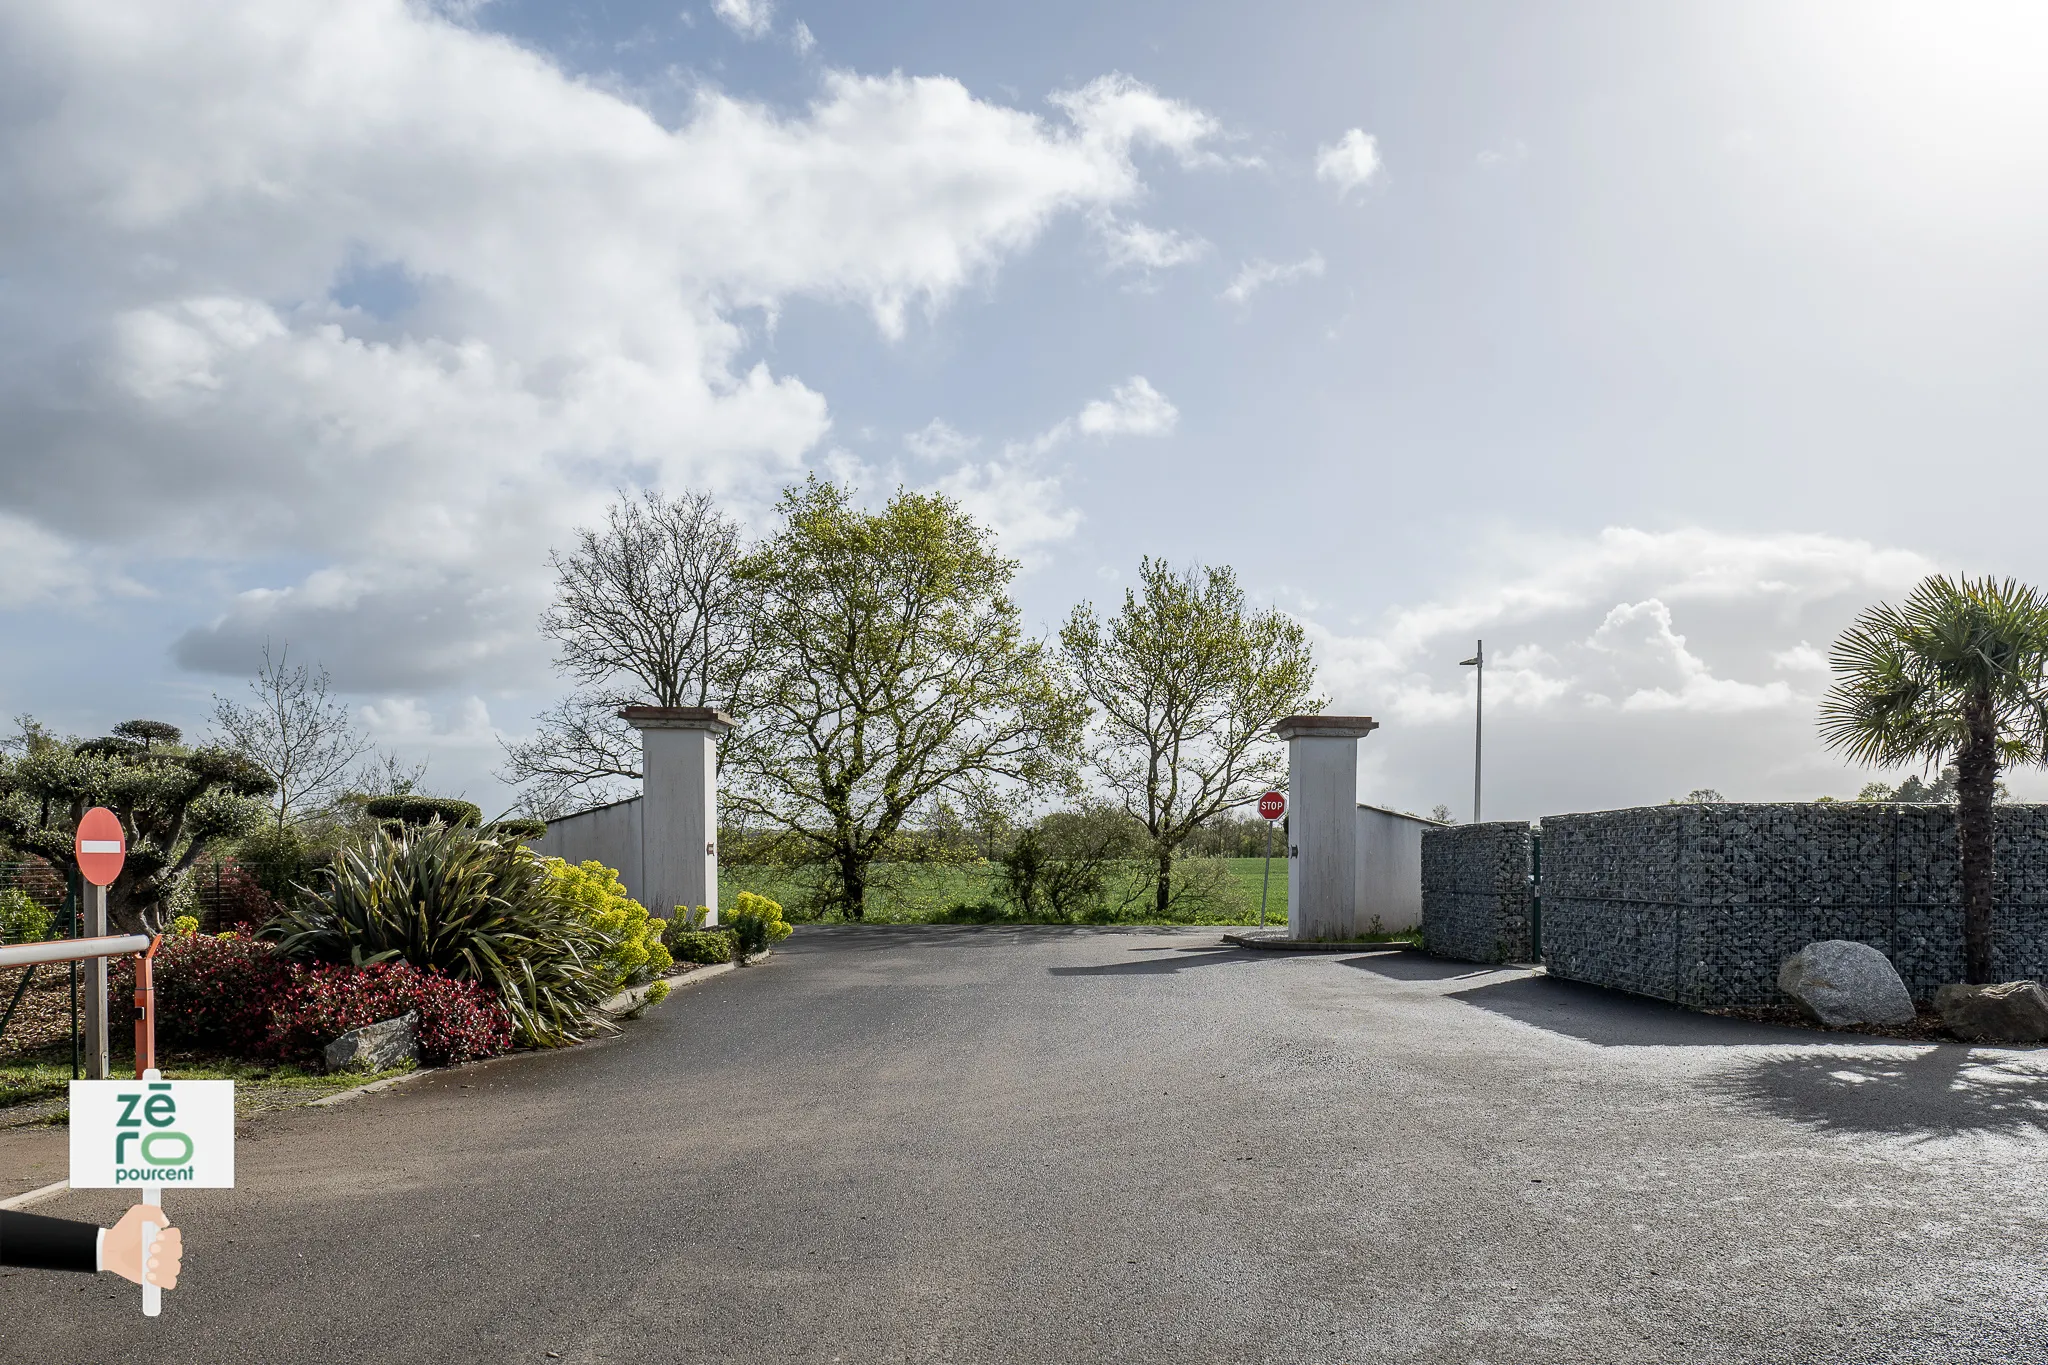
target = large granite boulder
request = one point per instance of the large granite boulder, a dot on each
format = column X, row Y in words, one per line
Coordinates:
column 2011, row 1012
column 1841, row 983
column 378, row 1046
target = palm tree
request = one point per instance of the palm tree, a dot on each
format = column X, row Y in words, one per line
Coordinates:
column 1957, row 673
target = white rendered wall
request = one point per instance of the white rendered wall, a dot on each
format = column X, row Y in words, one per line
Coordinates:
column 679, row 850
column 1389, row 870
column 1322, row 837
column 608, row 834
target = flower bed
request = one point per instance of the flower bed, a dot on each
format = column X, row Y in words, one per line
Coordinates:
column 235, row 995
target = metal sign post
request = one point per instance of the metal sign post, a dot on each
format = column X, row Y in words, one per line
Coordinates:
column 100, row 846
column 1272, row 809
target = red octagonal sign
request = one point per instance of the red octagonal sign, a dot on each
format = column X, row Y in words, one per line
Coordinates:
column 1273, row 805
column 101, row 846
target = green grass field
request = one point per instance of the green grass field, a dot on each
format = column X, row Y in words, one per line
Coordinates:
column 928, row 893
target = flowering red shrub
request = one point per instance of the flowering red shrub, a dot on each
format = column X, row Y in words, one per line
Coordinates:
column 235, row 995
column 211, row 993
column 459, row 1020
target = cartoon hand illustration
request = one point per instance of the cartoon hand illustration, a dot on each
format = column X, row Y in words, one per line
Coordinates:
column 122, row 1251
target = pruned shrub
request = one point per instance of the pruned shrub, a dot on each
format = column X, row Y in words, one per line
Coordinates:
column 212, row 994
column 449, row 899
column 755, row 922
column 459, row 1021
column 425, row 810
column 522, row 828
column 705, row 947
column 23, row 918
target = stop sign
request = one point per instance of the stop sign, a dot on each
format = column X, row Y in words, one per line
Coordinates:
column 101, row 846
column 1273, row 805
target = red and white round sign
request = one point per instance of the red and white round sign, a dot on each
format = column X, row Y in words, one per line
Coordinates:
column 1273, row 805
column 101, row 846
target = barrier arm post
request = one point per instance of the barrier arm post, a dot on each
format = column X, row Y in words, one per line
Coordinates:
column 145, row 1070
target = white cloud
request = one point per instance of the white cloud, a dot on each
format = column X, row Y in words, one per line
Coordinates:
column 1259, row 273
column 1133, row 408
column 1661, row 674
column 1023, row 503
column 1800, row 658
column 1132, row 245
column 801, row 38
column 358, row 285
column 938, row 440
column 1350, row 162
column 403, row 722
column 1116, row 112
column 41, row 569
column 1630, row 665
column 748, row 18
column 1016, row 491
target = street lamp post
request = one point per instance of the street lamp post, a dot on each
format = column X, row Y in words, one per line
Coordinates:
column 1478, row 663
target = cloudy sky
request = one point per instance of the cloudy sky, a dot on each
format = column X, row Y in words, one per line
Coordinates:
column 1646, row 342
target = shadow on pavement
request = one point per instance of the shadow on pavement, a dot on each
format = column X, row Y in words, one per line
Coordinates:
column 1204, row 956
column 1414, row 966
column 1609, row 1018
column 1947, row 1090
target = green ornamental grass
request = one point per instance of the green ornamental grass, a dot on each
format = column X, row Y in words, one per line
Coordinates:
column 475, row 906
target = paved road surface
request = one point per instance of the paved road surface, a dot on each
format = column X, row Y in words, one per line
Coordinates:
column 1069, row 1146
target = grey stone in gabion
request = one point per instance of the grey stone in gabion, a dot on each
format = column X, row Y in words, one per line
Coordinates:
column 378, row 1046
column 1842, row 983
column 2013, row 1012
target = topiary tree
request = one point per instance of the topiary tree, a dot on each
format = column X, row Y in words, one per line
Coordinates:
column 425, row 810
column 174, row 803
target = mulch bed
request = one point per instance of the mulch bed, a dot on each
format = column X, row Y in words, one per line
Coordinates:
column 1925, row 1028
column 45, row 1013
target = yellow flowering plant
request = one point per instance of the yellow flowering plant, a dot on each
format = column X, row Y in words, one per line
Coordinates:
column 595, row 892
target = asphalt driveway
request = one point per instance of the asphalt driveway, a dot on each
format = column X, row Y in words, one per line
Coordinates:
column 1080, row 1145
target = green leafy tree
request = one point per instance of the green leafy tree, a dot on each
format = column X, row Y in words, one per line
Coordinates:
column 1958, row 672
column 895, row 675
column 174, row 803
column 1189, row 682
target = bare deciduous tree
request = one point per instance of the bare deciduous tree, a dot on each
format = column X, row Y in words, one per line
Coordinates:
column 647, row 611
column 294, row 730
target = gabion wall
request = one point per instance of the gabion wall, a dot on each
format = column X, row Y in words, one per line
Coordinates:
column 1475, row 892
column 1699, row 904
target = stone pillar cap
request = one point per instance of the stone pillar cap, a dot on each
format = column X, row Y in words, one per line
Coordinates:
column 1326, row 727
column 677, row 718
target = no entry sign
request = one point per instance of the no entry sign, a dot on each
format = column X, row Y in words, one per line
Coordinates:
column 1273, row 805
column 101, row 846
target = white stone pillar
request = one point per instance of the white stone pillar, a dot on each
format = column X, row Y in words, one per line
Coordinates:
column 1322, row 824
column 678, row 805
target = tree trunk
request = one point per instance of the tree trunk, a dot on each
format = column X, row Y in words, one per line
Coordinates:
column 1976, row 781
column 1163, row 892
column 853, row 886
